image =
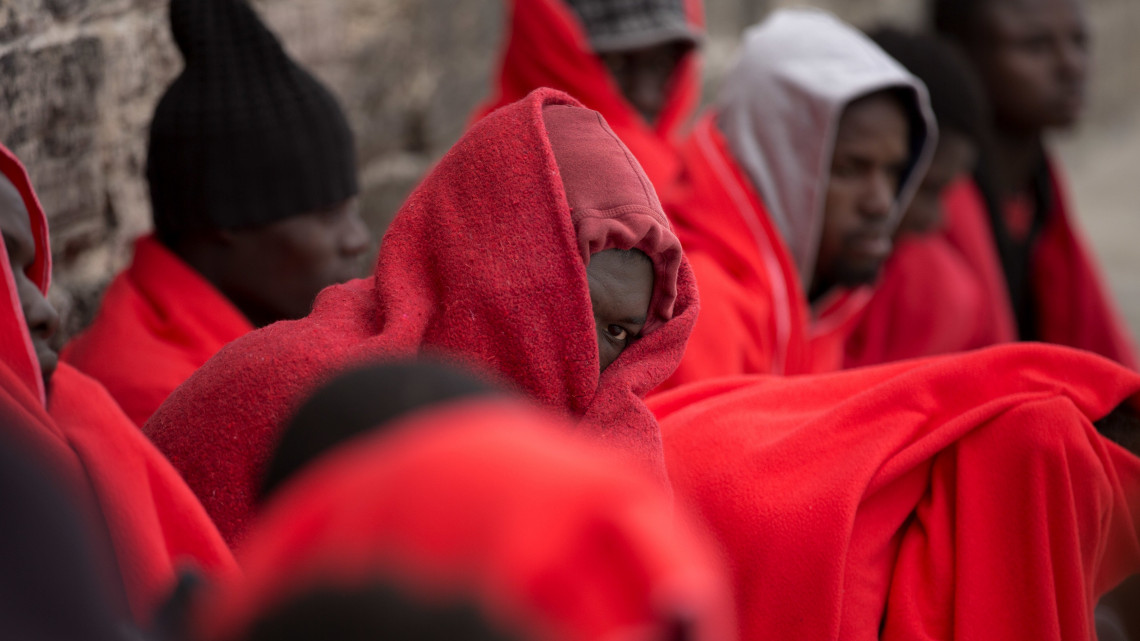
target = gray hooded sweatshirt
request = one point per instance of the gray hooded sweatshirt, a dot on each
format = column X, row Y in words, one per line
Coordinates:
column 779, row 109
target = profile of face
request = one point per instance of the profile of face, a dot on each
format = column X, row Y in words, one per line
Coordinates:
column 645, row 75
column 867, row 166
column 42, row 319
column 281, row 267
column 1033, row 57
column 954, row 158
column 621, row 286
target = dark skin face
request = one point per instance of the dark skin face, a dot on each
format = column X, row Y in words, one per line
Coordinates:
column 871, row 153
column 645, row 75
column 955, row 157
column 1033, row 56
column 621, row 286
column 42, row 319
column 273, row 272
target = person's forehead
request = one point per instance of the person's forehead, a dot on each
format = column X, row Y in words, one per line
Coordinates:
column 1024, row 13
column 877, row 116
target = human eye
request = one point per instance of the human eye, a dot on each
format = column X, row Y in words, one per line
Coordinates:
column 618, row 333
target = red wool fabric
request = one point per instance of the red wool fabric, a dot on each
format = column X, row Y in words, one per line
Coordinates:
column 553, row 534
column 960, row 497
column 1074, row 306
column 154, row 521
column 754, row 317
column 482, row 264
column 928, row 301
column 547, row 47
column 159, row 322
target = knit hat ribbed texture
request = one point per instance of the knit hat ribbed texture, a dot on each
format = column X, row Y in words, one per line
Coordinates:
column 614, row 25
column 244, row 136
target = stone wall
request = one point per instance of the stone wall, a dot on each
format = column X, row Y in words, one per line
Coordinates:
column 79, row 79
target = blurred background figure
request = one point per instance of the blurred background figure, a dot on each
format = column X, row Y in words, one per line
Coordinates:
column 793, row 185
column 635, row 62
column 929, row 299
column 466, row 495
column 253, row 185
column 1033, row 59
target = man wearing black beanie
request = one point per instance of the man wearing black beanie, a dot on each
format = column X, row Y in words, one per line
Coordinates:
column 253, row 185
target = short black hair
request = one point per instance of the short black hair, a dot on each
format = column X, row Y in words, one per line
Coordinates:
column 373, row 611
column 955, row 19
column 956, row 93
column 361, row 400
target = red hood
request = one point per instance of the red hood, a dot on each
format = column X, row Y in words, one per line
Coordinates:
column 484, row 498
column 482, row 264
column 15, row 342
column 547, row 47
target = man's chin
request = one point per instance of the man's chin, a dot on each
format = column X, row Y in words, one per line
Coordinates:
column 860, row 276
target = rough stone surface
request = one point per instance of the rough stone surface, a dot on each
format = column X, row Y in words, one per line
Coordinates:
column 80, row 78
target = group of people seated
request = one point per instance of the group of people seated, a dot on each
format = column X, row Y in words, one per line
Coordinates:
column 827, row 360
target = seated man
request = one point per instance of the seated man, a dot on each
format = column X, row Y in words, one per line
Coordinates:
column 535, row 252
column 254, row 203
column 1033, row 60
column 792, row 190
column 153, row 520
column 930, row 300
column 634, row 62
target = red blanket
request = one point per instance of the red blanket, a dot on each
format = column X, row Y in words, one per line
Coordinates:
column 485, row 498
column 1074, row 307
column 483, row 264
column 754, row 312
column 153, row 519
column 928, row 301
column 965, row 497
column 547, row 47
column 158, row 323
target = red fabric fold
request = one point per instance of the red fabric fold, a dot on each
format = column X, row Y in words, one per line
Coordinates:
column 1074, row 306
column 547, row 47
column 158, row 323
column 755, row 317
column 153, row 519
column 928, row 301
column 552, row 533
column 965, row 497
column 483, row 265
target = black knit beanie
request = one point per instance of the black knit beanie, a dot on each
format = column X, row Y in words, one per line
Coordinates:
column 244, row 136
column 615, row 25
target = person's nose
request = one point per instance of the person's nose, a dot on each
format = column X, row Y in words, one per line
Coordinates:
column 42, row 319
column 878, row 196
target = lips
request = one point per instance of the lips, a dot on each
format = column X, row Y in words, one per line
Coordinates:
column 872, row 246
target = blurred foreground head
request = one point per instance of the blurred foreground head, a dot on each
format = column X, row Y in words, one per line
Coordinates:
column 56, row 581
column 483, row 501
column 252, row 166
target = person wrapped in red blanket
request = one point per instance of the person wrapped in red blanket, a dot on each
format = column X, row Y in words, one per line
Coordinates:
column 484, row 500
column 958, row 497
column 254, row 203
column 1019, row 215
column 496, row 260
column 634, row 62
column 929, row 299
column 791, row 189
column 153, row 519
